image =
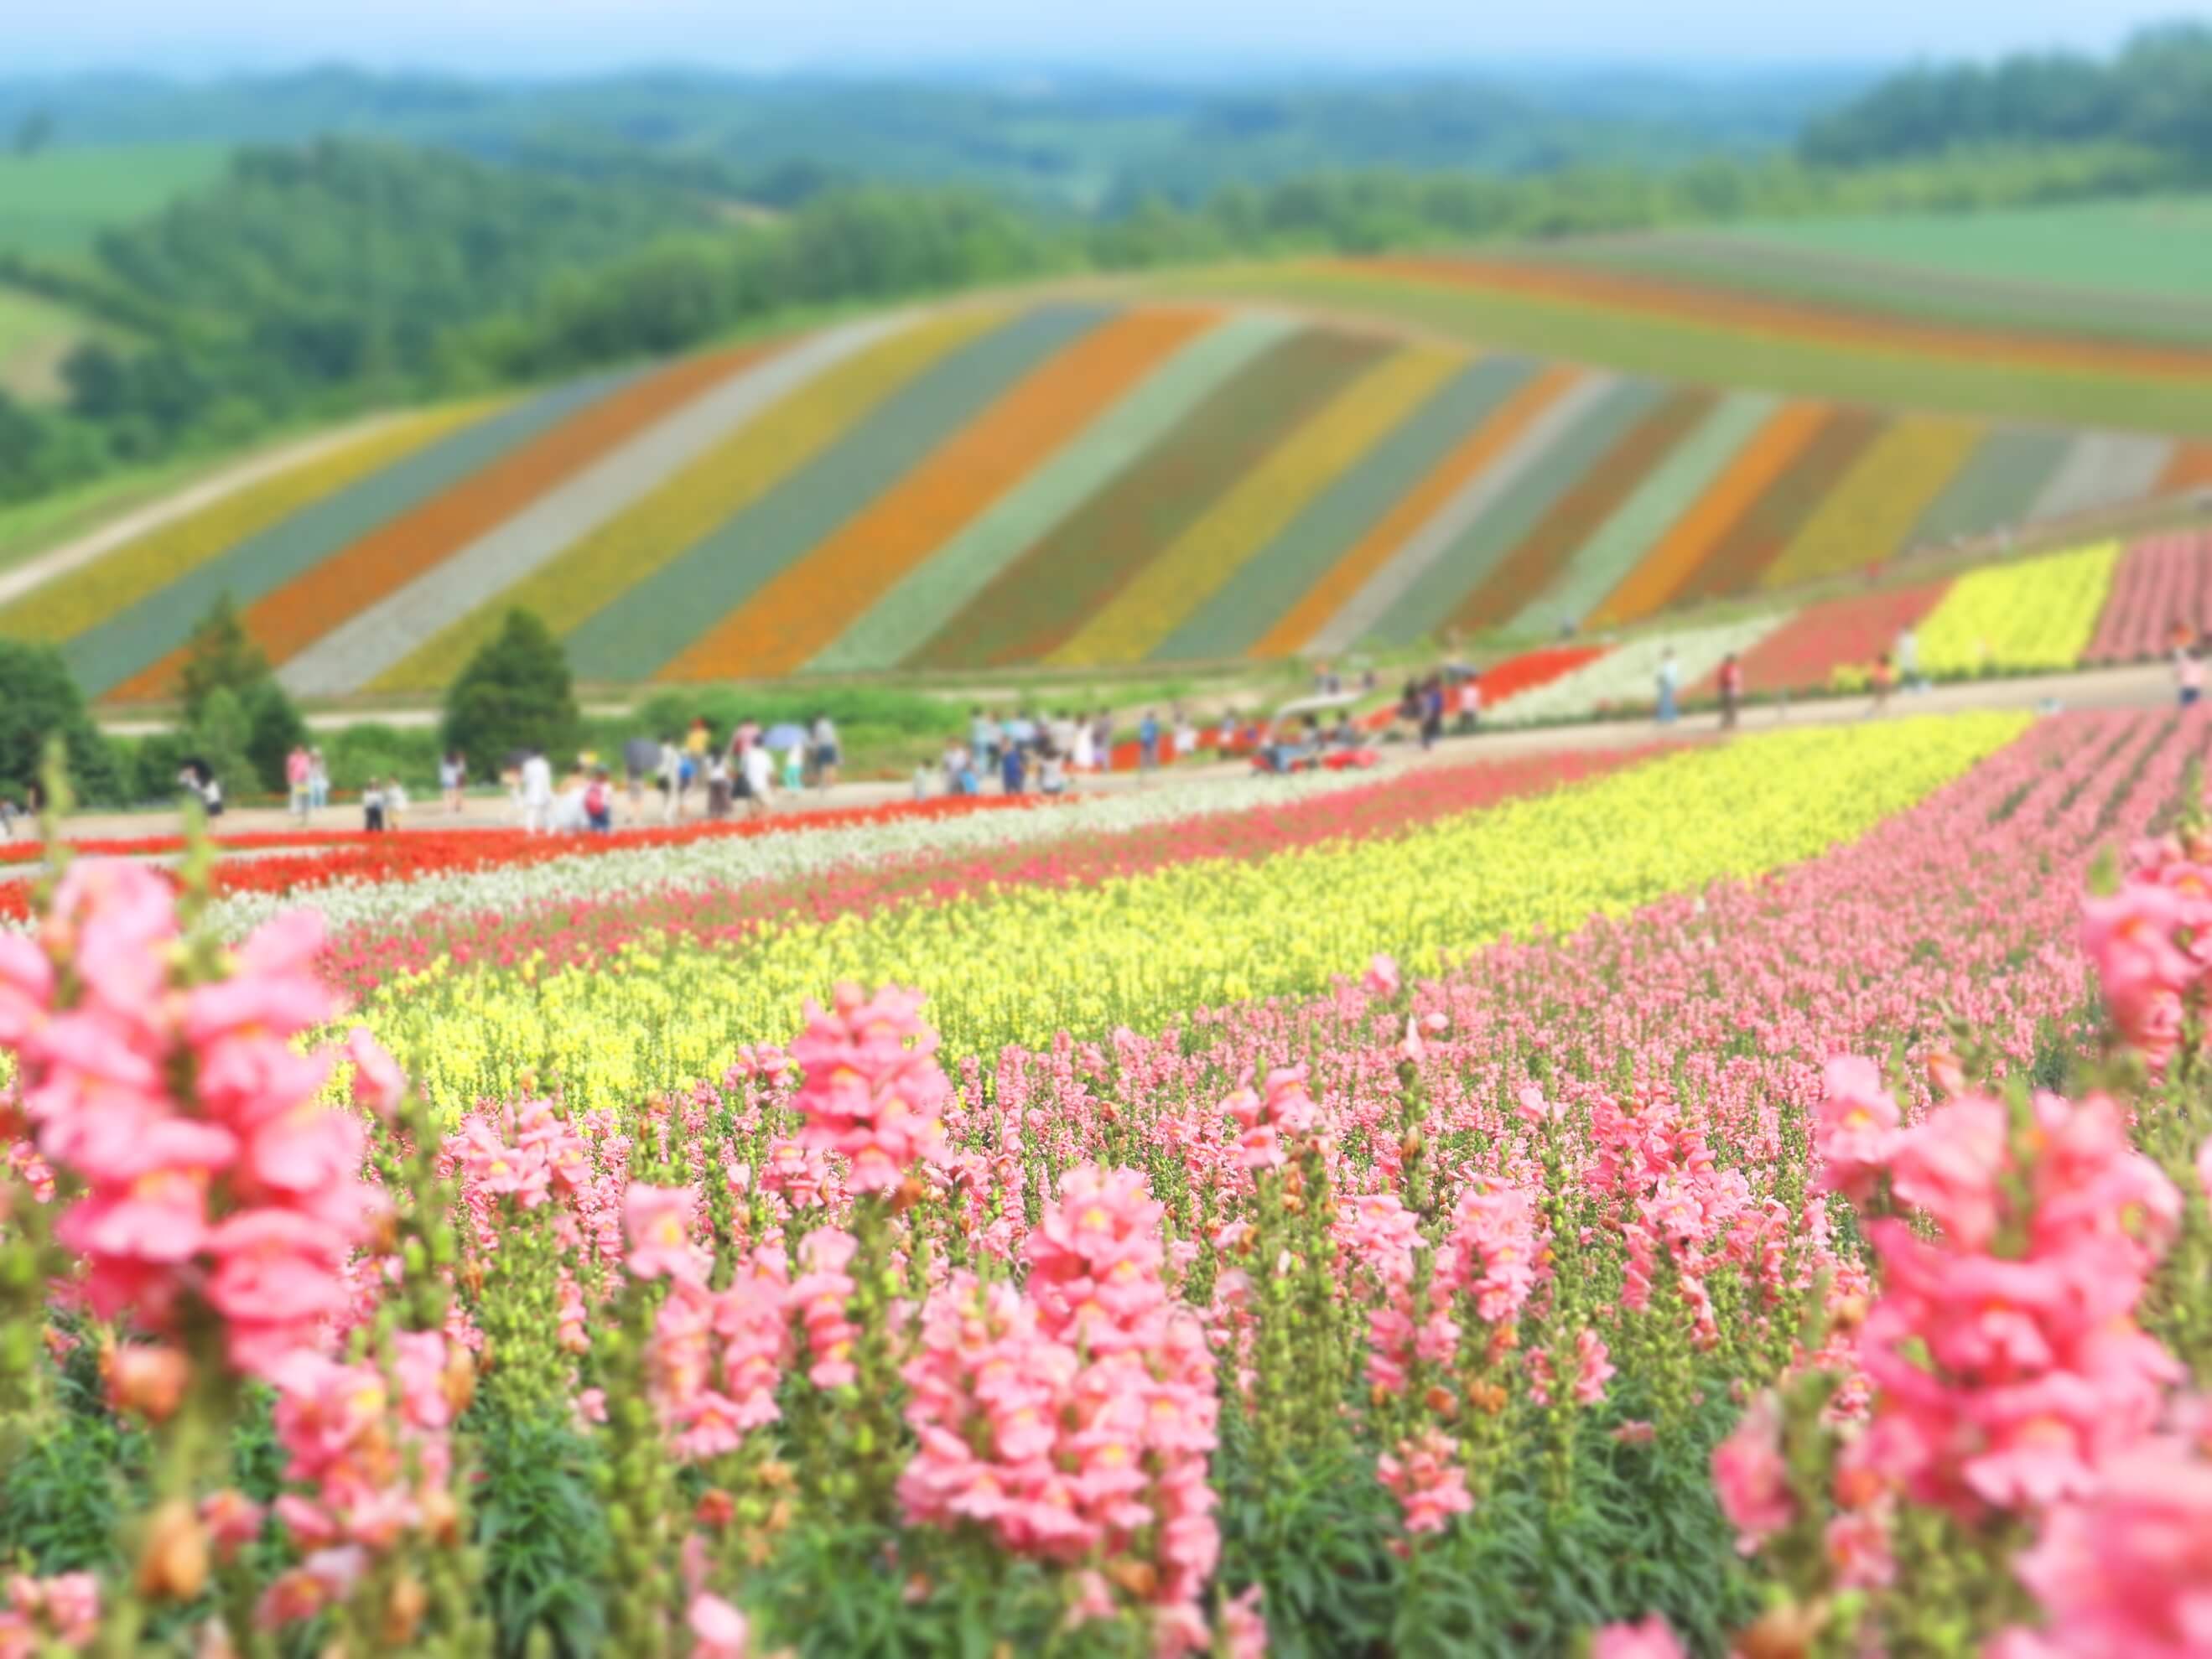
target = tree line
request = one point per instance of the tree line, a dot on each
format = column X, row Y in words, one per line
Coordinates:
column 2155, row 94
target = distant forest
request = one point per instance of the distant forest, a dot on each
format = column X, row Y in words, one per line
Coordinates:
column 457, row 238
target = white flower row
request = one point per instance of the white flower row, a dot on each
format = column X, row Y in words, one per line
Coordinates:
column 1628, row 675
column 729, row 860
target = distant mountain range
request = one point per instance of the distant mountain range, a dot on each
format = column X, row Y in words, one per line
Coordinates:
column 1084, row 141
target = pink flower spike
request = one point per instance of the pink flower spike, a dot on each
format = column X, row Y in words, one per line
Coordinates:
column 719, row 1630
column 1751, row 1479
column 657, row 1220
column 379, row 1085
column 1650, row 1640
column 1380, row 979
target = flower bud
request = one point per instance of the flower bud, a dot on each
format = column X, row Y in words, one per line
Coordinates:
column 403, row 1611
column 173, row 1566
column 149, row 1380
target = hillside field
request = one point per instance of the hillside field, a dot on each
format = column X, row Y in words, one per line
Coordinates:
column 54, row 203
column 1268, row 461
column 36, row 334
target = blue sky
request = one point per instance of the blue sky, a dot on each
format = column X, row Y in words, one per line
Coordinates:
column 533, row 36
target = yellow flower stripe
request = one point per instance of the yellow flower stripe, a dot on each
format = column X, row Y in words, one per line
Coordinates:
column 2032, row 613
column 1873, row 509
column 67, row 606
column 1198, row 563
column 1027, row 961
column 698, row 500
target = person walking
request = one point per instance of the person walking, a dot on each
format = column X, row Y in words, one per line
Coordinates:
column 1907, row 652
column 371, row 807
column 984, row 738
column 1432, row 710
column 826, row 752
column 319, row 780
column 1083, row 752
column 1013, row 769
column 395, row 803
column 1148, row 742
column 670, row 775
column 1731, row 690
column 760, row 777
column 1670, row 686
column 600, row 803
column 1884, row 676
column 297, row 772
column 537, row 793
column 1183, row 739
column 453, row 780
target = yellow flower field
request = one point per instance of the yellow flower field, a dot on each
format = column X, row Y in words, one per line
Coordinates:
column 1029, row 962
column 2032, row 613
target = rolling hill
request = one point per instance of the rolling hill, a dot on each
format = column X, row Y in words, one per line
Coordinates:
column 1088, row 482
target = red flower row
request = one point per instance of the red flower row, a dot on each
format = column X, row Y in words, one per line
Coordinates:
column 415, row 853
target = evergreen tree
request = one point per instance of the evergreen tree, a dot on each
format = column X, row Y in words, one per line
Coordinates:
column 39, row 701
column 514, row 694
column 219, row 738
column 222, row 656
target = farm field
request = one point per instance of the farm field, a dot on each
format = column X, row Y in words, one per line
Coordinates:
column 1303, row 1215
column 2118, row 270
column 1062, row 484
column 53, row 204
column 35, row 335
column 1709, row 333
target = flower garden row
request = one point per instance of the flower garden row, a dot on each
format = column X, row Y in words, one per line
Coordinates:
column 1691, row 1265
column 2092, row 605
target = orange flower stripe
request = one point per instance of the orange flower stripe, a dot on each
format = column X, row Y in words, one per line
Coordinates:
column 1789, row 319
column 1675, row 558
column 2191, row 465
column 390, row 556
column 1373, row 551
column 807, row 605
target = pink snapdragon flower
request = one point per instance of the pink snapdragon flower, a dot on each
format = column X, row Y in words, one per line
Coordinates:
column 2127, row 1569
column 239, row 1187
column 63, row 1609
column 873, row 1091
column 1381, row 980
column 1423, row 1474
column 2007, row 1364
column 1077, row 1418
column 1649, row 1639
column 1856, row 1130
column 1750, row 1477
column 657, row 1220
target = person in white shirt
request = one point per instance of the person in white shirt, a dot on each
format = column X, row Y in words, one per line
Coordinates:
column 670, row 774
column 760, row 776
column 537, row 793
column 395, row 802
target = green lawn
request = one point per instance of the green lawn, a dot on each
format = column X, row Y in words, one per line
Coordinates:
column 54, row 203
column 1703, row 354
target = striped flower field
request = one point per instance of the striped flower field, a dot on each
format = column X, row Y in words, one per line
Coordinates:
column 1071, row 483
